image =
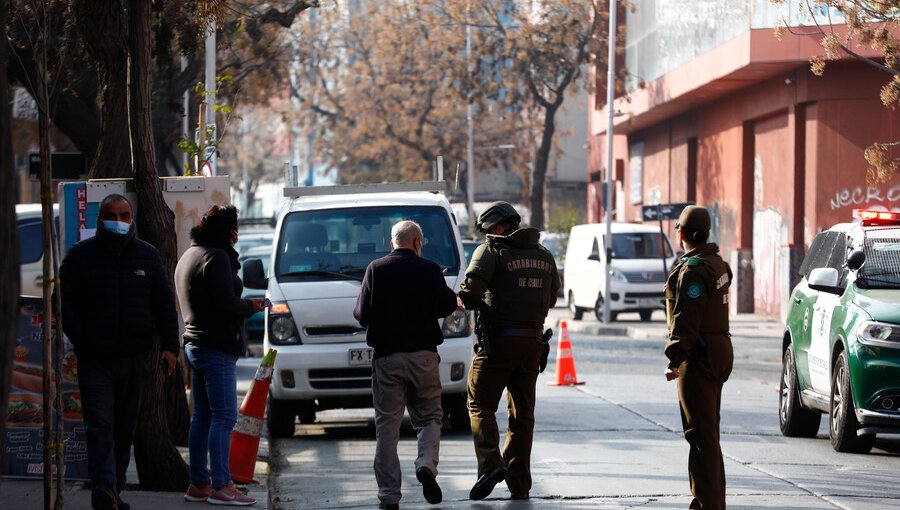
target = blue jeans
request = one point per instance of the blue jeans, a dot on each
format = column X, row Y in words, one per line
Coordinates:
column 214, row 387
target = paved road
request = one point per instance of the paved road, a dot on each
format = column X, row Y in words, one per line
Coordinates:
column 614, row 442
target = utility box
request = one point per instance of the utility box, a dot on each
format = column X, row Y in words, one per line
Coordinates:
column 187, row 197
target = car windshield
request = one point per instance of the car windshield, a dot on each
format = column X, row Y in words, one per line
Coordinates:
column 334, row 244
column 882, row 267
column 639, row 245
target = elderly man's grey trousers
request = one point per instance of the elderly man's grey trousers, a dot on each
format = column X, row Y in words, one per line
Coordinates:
column 409, row 380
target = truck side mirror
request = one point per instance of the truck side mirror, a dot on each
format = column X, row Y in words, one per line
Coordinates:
column 254, row 274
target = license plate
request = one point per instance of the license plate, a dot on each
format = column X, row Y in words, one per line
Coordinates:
column 649, row 302
column 361, row 357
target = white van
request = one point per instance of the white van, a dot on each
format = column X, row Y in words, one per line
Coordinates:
column 324, row 240
column 31, row 247
column 636, row 273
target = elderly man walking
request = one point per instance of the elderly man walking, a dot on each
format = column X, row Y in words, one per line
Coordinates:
column 402, row 297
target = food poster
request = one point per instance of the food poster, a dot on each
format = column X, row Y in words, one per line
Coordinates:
column 24, row 442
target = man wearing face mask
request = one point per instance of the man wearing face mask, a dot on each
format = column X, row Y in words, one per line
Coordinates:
column 116, row 298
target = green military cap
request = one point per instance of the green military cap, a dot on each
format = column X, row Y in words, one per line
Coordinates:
column 495, row 213
column 695, row 218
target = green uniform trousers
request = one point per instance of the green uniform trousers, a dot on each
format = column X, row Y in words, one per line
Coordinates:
column 700, row 395
column 512, row 365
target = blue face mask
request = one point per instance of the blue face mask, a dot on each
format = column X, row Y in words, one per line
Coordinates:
column 117, row 227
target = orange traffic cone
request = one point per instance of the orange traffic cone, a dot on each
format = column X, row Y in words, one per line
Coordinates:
column 245, row 436
column 565, row 363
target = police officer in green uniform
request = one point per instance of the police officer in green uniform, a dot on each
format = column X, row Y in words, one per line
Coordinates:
column 699, row 351
column 512, row 282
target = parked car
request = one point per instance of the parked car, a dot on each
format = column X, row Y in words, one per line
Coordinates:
column 31, row 247
column 641, row 257
column 256, row 325
column 841, row 347
column 323, row 244
column 252, row 237
column 469, row 246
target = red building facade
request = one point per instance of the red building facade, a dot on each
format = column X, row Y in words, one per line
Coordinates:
column 775, row 153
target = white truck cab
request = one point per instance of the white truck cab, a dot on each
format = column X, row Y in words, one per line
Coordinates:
column 324, row 240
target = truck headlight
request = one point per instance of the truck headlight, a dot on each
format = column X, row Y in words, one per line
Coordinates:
column 458, row 323
column 281, row 325
column 617, row 276
column 879, row 334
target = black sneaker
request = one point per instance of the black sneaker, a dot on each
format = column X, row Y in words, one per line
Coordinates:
column 389, row 506
column 104, row 498
column 486, row 483
column 430, row 488
column 519, row 495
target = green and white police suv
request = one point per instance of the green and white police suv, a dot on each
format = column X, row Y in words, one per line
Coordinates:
column 842, row 337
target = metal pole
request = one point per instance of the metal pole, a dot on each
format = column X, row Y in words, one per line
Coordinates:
column 610, row 108
column 211, row 91
column 470, row 130
column 185, row 120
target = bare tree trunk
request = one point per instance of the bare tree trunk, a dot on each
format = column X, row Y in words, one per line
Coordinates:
column 160, row 467
column 9, row 265
column 541, row 161
column 101, row 26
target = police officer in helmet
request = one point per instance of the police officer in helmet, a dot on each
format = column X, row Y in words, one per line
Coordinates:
column 699, row 351
column 512, row 282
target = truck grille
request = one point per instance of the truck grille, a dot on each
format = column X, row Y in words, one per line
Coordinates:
column 645, row 276
column 340, row 378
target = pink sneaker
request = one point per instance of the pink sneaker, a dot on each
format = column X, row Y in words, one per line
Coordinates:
column 197, row 493
column 229, row 495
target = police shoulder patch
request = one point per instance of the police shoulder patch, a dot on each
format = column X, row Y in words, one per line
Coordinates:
column 694, row 290
column 692, row 261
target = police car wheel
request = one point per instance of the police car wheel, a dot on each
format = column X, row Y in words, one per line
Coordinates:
column 842, row 422
column 794, row 420
column 575, row 312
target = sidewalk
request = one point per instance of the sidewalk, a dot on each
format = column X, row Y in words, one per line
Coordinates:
column 629, row 325
column 29, row 494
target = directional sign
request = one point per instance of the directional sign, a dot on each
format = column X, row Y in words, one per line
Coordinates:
column 663, row 211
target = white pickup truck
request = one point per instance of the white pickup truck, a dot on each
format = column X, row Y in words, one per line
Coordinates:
column 324, row 240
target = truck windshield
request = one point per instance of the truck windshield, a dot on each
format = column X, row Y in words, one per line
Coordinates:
column 334, row 244
column 639, row 245
column 882, row 267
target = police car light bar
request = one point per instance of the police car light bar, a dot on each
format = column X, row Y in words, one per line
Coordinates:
column 876, row 217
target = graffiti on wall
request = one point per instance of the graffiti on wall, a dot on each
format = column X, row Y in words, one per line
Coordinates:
column 870, row 196
column 770, row 260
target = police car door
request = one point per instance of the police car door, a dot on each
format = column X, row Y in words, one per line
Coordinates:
column 820, row 330
column 820, row 342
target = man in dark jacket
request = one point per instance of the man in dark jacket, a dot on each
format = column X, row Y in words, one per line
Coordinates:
column 512, row 281
column 402, row 297
column 116, row 299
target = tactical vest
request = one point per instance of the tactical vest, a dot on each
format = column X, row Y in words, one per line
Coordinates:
column 520, row 290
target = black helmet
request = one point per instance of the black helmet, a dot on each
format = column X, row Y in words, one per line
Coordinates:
column 496, row 213
column 694, row 218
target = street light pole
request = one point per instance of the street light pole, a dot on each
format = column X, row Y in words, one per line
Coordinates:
column 470, row 130
column 610, row 97
column 210, row 77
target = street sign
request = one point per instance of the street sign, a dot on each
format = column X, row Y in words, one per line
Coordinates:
column 63, row 165
column 663, row 211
